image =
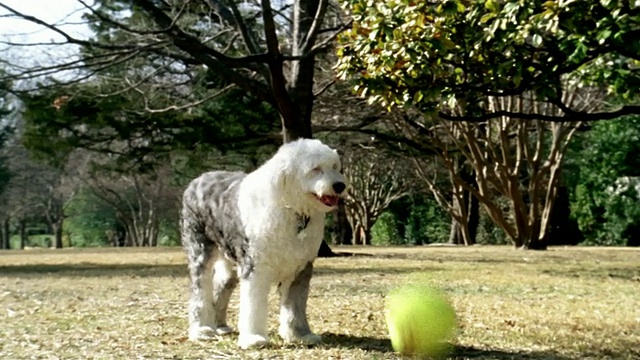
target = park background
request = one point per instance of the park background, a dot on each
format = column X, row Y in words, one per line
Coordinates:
column 504, row 123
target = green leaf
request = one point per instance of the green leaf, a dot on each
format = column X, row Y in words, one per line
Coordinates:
column 486, row 17
column 536, row 40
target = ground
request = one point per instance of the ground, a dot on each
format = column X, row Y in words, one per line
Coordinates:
column 565, row 303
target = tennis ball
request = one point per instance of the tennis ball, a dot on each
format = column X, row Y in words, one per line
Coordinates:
column 420, row 320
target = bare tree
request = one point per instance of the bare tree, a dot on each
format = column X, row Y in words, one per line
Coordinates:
column 516, row 163
column 266, row 48
column 455, row 198
column 35, row 190
column 139, row 201
column 377, row 179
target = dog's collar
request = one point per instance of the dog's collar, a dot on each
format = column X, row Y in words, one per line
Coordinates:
column 303, row 222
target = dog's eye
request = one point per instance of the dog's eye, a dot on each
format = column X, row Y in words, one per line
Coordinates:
column 317, row 170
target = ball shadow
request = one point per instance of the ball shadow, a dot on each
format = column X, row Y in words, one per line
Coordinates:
column 383, row 345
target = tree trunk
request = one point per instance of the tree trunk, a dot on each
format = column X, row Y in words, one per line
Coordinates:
column 5, row 239
column 473, row 219
column 366, row 235
column 57, row 233
column 459, row 235
column 455, row 233
column 341, row 232
column 24, row 237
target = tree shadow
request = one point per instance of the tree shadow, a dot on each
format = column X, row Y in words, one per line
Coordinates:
column 600, row 272
column 321, row 271
column 382, row 345
column 356, row 342
column 85, row 269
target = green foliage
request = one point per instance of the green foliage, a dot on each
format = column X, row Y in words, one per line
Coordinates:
column 610, row 152
column 413, row 220
column 169, row 233
column 385, row 230
column 114, row 125
column 459, row 52
column 89, row 219
column 489, row 233
column 427, row 223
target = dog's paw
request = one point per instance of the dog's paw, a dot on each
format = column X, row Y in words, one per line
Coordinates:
column 223, row 330
column 252, row 341
column 202, row 333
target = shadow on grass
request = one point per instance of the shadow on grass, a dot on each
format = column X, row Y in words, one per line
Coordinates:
column 367, row 343
column 615, row 273
column 465, row 352
column 388, row 270
column 356, row 342
column 93, row 270
column 87, row 269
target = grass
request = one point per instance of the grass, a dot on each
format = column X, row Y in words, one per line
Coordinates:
column 565, row 303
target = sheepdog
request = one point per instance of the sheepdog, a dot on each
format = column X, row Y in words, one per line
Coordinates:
column 260, row 229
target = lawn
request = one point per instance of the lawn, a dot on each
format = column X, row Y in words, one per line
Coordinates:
column 565, row 303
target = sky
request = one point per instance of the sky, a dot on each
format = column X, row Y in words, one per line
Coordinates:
column 51, row 11
column 66, row 13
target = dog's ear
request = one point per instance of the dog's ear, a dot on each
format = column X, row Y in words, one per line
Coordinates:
column 281, row 172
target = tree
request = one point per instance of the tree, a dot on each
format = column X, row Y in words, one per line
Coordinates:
column 513, row 166
column 139, row 202
column 500, row 65
column 376, row 179
column 5, row 174
column 605, row 202
column 36, row 192
column 266, row 51
column 463, row 205
column 460, row 53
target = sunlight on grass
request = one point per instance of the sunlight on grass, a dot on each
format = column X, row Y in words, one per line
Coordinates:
column 565, row 303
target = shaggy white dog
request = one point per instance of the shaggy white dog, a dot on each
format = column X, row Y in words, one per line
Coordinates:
column 261, row 229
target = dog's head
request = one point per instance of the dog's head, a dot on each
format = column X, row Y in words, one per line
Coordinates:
column 309, row 175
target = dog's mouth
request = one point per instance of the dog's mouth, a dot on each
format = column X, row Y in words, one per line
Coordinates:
column 328, row 200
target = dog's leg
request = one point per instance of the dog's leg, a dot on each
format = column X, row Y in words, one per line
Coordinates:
column 294, row 326
column 252, row 322
column 201, row 312
column 224, row 281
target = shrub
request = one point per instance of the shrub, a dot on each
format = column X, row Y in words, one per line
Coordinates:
column 385, row 230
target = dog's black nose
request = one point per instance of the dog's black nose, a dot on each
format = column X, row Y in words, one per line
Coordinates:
column 339, row 187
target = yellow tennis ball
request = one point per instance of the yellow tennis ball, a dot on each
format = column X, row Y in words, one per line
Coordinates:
column 421, row 321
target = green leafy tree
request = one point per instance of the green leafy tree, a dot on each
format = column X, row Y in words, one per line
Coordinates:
column 57, row 124
column 91, row 222
column 438, row 56
column 509, row 61
column 606, row 202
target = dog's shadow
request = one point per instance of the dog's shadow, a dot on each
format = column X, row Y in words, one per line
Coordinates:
column 381, row 345
column 366, row 343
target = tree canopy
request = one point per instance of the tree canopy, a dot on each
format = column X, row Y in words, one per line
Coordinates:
column 454, row 54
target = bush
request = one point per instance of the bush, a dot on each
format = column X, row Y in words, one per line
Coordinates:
column 414, row 220
column 489, row 233
column 169, row 233
column 89, row 219
column 385, row 230
column 607, row 212
column 427, row 223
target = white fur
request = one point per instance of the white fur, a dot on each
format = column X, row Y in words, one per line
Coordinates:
column 271, row 201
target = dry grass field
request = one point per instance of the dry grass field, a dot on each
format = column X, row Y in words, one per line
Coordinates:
column 565, row 303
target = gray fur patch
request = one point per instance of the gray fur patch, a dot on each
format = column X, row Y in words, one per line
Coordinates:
column 210, row 218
